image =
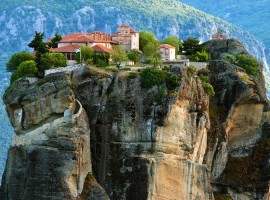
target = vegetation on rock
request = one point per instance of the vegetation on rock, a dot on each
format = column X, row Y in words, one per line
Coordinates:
column 26, row 69
column 119, row 55
column 208, row 88
column 132, row 75
column 174, row 41
column 134, row 56
column 248, row 63
column 201, row 56
column 16, row 59
column 172, row 81
column 191, row 46
column 52, row 60
column 151, row 76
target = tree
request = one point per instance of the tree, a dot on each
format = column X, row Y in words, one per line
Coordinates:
column 16, row 59
column 86, row 53
column 101, row 56
column 54, row 41
column 52, row 60
column 174, row 41
column 150, row 47
column 191, row 45
column 148, row 43
column 40, row 48
column 201, row 56
column 119, row 55
column 155, row 58
column 134, row 56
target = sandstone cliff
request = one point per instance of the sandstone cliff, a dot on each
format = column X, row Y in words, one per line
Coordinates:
column 143, row 144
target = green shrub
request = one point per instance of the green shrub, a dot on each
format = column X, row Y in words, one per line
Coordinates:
column 112, row 68
column 230, row 58
column 86, row 53
column 89, row 61
column 249, row 64
column 27, row 69
column 151, row 77
column 166, row 68
column 208, row 88
column 172, row 81
column 134, row 56
column 132, row 75
column 203, row 71
column 148, row 61
column 101, row 63
column 202, row 56
column 204, row 78
column 52, row 60
column 16, row 59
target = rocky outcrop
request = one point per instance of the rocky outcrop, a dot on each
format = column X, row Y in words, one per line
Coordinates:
column 144, row 143
column 50, row 155
column 146, row 147
column 19, row 21
column 239, row 113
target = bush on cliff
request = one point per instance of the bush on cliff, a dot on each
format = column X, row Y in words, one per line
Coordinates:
column 16, row 59
column 172, row 81
column 151, row 76
column 207, row 87
column 26, row 69
column 52, row 60
column 248, row 63
column 201, row 56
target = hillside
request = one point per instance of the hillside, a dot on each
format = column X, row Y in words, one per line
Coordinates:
column 250, row 15
column 20, row 19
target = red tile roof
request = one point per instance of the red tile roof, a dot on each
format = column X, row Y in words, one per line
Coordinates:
column 96, row 36
column 166, row 46
column 100, row 48
column 68, row 48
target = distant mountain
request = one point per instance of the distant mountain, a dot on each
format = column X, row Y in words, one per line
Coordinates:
column 250, row 15
column 19, row 19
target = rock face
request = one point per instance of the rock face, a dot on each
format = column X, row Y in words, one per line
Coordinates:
column 239, row 115
column 144, row 143
column 50, row 155
column 19, row 21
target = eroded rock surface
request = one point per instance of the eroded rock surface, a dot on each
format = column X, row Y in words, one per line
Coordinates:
column 50, row 155
column 144, row 143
